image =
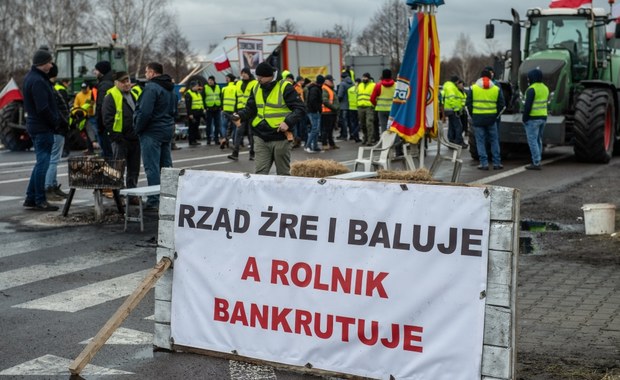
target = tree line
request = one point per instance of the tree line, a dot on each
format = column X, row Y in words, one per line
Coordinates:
column 149, row 31
column 146, row 28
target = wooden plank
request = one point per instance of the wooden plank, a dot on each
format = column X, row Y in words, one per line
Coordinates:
column 354, row 175
column 497, row 326
column 502, row 203
column 161, row 338
column 501, row 236
column 162, row 311
column 121, row 314
column 496, row 362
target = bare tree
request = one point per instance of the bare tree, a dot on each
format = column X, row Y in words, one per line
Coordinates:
column 464, row 51
column 344, row 33
column 387, row 32
column 175, row 53
column 288, row 26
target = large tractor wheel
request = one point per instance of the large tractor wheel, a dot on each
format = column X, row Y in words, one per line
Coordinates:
column 594, row 125
column 12, row 135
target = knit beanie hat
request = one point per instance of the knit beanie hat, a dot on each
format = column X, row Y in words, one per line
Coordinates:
column 120, row 75
column 264, row 70
column 41, row 57
column 535, row 76
column 320, row 79
column 386, row 74
column 485, row 74
column 103, row 67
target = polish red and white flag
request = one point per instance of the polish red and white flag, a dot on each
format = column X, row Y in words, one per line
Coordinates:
column 10, row 93
column 221, row 62
column 569, row 3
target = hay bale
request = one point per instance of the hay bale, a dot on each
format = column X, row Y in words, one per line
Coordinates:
column 317, row 168
column 422, row 175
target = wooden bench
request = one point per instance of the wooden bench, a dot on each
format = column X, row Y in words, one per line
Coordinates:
column 138, row 192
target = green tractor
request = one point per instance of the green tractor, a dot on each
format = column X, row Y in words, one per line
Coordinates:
column 76, row 63
column 582, row 70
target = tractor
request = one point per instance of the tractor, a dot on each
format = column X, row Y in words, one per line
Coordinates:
column 582, row 70
column 75, row 62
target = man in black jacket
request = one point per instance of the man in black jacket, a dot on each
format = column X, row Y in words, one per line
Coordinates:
column 272, row 110
column 118, row 108
column 103, row 71
column 41, row 122
column 314, row 103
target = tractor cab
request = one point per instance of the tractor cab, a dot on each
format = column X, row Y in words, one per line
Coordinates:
column 77, row 61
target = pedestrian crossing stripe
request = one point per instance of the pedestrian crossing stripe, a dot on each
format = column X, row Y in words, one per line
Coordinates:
column 127, row 336
column 87, row 296
column 36, row 243
column 39, row 272
column 4, row 198
column 51, row 365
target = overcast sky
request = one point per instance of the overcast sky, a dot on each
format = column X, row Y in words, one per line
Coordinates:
column 207, row 22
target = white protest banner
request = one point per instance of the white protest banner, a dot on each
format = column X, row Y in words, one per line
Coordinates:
column 365, row 278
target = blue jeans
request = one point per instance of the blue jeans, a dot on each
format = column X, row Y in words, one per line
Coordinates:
column 213, row 119
column 315, row 128
column 484, row 135
column 534, row 132
column 50, row 177
column 43, row 143
column 155, row 155
column 455, row 128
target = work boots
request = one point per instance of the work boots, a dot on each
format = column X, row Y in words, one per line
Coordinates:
column 51, row 195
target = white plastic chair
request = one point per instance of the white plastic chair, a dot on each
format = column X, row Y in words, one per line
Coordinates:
column 455, row 157
column 377, row 156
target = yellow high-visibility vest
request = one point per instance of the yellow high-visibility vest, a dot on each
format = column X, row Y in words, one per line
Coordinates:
column 539, row 107
column 484, row 100
column 197, row 102
column 352, row 96
column 384, row 100
column 274, row 110
column 242, row 96
column 364, row 91
column 451, row 97
column 117, row 96
column 212, row 96
column 229, row 93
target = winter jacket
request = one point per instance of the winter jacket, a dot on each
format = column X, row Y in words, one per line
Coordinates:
column 314, row 98
column 156, row 109
column 39, row 103
column 330, row 106
column 485, row 120
column 263, row 129
column 343, row 90
column 105, row 83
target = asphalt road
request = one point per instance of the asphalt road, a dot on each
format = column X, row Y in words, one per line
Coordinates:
column 59, row 282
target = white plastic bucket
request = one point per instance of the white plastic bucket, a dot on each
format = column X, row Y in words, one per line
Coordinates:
column 599, row 218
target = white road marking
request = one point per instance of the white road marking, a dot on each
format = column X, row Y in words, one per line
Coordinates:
column 246, row 371
column 4, row 198
column 511, row 172
column 33, row 273
column 51, row 365
column 29, row 245
column 89, row 295
column 127, row 336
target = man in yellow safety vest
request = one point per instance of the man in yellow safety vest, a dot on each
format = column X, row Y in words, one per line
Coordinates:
column 213, row 106
column 535, row 115
column 365, row 109
column 273, row 108
column 194, row 103
column 244, row 88
column 119, row 105
column 485, row 103
column 381, row 98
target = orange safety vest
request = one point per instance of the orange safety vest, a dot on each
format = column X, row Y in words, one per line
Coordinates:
column 330, row 93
